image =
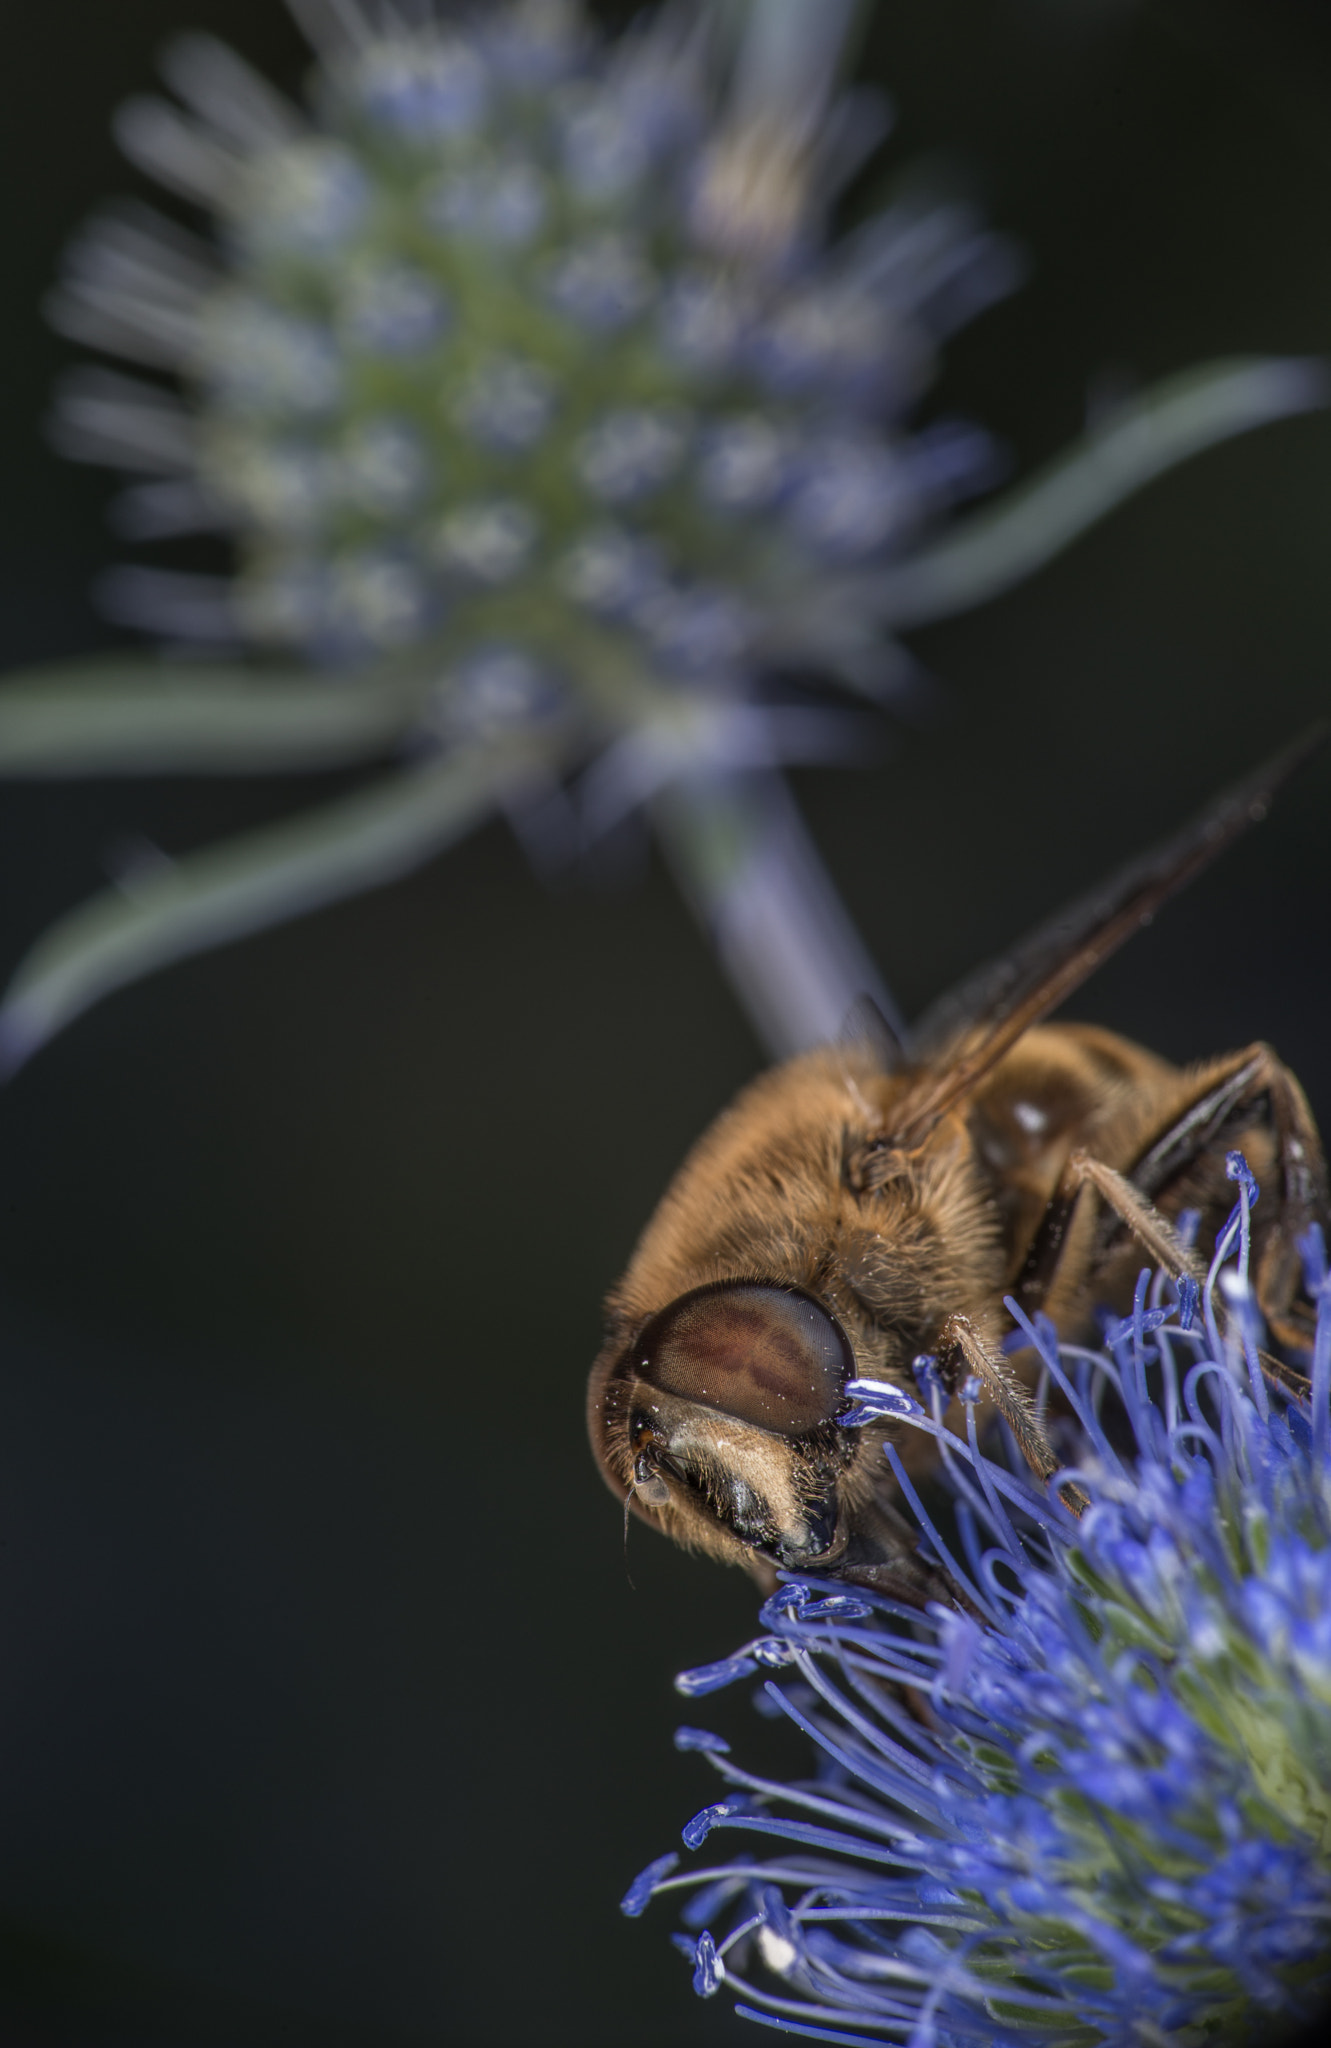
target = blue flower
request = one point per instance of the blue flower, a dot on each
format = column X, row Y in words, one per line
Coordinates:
column 521, row 335
column 1093, row 1803
column 676, row 294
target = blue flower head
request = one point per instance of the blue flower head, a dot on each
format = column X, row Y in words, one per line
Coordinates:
column 520, row 332
column 562, row 441
column 1092, row 1801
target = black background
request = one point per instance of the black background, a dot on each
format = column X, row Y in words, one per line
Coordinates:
column 327, row 1714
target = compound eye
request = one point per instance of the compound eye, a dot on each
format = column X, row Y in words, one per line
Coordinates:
column 766, row 1355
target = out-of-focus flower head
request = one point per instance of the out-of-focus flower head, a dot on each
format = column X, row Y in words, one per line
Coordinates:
column 545, row 408
column 524, row 337
column 1089, row 1803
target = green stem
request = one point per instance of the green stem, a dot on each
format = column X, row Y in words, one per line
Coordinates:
column 119, row 717
column 1006, row 542
column 753, row 877
column 175, row 908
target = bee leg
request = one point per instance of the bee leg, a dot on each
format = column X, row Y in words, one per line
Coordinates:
column 1157, row 1235
column 1042, row 1280
column 961, row 1351
column 1232, row 1099
column 1154, row 1232
column 1279, row 1276
column 883, row 1554
column 1226, row 1107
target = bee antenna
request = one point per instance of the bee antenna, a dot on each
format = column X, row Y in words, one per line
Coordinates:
column 628, row 1502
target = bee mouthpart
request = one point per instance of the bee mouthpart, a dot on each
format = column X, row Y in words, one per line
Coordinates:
column 817, row 1541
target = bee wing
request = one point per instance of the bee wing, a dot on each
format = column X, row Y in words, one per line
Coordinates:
column 963, row 1035
column 865, row 1027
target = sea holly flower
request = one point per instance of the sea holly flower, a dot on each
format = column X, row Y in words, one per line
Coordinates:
column 559, row 439
column 1089, row 1802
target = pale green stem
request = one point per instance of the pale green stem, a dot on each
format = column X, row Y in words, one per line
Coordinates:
column 171, row 909
column 753, row 877
column 1008, row 541
column 117, row 717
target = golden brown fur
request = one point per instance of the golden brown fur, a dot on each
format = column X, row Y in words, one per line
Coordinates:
column 841, row 1218
column 798, row 1183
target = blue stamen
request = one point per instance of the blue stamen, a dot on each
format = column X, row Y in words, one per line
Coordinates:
column 1095, row 1842
column 938, row 1546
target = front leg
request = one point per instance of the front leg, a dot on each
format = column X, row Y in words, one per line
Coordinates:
column 962, row 1351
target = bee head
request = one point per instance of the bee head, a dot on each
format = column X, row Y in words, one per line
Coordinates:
column 718, row 1420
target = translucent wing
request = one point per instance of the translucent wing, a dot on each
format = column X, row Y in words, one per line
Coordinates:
column 967, row 1031
column 864, row 1026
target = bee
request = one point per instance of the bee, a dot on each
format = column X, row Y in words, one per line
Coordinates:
column 857, row 1207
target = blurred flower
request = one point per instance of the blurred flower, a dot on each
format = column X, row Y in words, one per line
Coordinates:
column 1090, row 1802
column 525, row 351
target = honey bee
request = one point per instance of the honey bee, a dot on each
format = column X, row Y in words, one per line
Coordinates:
column 856, row 1207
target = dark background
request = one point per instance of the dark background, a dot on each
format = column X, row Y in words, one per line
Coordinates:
column 327, row 1714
